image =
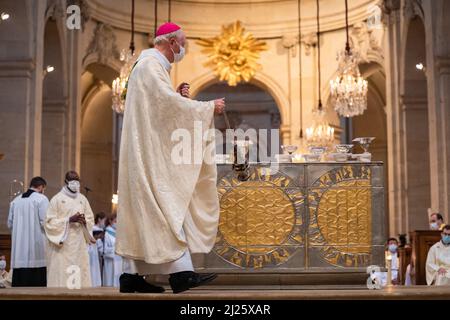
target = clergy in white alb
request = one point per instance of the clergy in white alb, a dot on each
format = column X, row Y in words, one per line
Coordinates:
column 26, row 222
column 112, row 263
column 167, row 209
column 94, row 259
column 68, row 227
column 437, row 267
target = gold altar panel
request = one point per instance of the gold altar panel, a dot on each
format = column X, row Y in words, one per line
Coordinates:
column 343, row 216
column 260, row 220
column 340, row 216
column 262, row 216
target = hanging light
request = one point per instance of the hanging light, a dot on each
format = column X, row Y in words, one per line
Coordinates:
column 119, row 85
column 320, row 133
column 4, row 16
column 349, row 89
column 115, row 199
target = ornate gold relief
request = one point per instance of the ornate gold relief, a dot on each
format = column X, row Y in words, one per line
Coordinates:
column 234, row 54
column 340, row 216
column 260, row 221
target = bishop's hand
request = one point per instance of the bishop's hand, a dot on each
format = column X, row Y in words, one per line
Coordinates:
column 442, row 271
column 183, row 89
column 219, row 105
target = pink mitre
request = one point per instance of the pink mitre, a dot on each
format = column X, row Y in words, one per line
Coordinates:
column 167, row 28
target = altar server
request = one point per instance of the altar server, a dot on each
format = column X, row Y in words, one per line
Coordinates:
column 167, row 209
column 438, row 260
column 26, row 221
column 68, row 227
column 112, row 268
column 94, row 259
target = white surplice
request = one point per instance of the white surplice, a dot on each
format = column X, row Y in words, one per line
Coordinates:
column 26, row 221
column 67, row 251
column 112, row 263
column 94, row 262
column 438, row 257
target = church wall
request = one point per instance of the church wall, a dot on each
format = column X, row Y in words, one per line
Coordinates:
column 21, row 92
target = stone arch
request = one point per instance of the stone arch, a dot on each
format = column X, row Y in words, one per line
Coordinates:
column 55, row 115
column 261, row 80
column 249, row 106
column 99, row 136
column 266, row 83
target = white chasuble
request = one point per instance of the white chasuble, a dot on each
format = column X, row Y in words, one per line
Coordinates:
column 166, row 206
column 67, row 251
column 438, row 257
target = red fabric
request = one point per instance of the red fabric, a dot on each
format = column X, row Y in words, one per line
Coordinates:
column 166, row 28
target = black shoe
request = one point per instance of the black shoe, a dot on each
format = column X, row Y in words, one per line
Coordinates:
column 182, row 281
column 130, row 283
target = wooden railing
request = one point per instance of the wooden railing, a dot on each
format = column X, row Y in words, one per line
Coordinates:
column 5, row 248
column 416, row 255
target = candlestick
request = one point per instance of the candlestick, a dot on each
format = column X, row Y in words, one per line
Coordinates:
column 389, row 268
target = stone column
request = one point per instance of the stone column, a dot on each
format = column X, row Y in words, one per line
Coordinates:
column 394, row 185
column 438, row 76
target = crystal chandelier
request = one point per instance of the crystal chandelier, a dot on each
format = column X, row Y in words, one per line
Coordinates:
column 349, row 89
column 119, row 85
column 320, row 133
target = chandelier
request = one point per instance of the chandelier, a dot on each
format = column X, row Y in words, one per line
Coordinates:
column 320, row 133
column 349, row 89
column 119, row 85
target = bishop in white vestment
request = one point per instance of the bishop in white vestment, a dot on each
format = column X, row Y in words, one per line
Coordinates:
column 167, row 209
column 68, row 227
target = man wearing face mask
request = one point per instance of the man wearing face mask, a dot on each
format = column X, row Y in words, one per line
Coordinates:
column 26, row 221
column 5, row 276
column 392, row 248
column 436, row 221
column 438, row 260
column 68, row 227
column 167, row 208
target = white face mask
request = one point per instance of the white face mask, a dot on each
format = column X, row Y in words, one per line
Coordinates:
column 434, row 226
column 2, row 264
column 392, row 248
column 74, row 185
column 177, row 57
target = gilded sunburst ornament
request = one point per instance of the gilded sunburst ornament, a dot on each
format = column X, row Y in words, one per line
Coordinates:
column 233, row 54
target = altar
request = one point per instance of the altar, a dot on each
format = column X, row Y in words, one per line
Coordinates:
column 299, row 223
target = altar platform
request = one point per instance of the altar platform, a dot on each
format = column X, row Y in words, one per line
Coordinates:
column 236, row 293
